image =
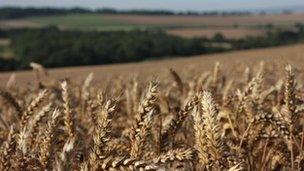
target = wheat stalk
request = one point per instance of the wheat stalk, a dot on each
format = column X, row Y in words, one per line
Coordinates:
column 45, row 148
column 30, row 109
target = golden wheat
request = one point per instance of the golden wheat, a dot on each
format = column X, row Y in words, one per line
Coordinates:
column 197, row 121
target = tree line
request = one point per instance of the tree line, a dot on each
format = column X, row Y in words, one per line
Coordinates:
column 18, row 12
column 56, row 48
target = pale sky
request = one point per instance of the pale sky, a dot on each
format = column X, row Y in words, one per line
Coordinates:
column 178, row 5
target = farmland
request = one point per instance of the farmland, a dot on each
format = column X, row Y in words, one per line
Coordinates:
column 230, row 33
column 211, row 21
column 243, row 113
column 178, row 25
column 5, row 51
column 169, row 21
column 275, row 57
column 192, row 34
column 16, row 24
column 97, row 22
column 215, row 106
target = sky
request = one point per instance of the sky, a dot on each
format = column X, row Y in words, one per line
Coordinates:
column 177, row 5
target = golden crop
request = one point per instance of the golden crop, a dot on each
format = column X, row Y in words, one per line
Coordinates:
column 205, row 122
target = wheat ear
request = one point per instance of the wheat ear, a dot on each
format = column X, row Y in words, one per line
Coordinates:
column 289, row 94
column 100, row 137
column 34, row 129
column 11, row 101
column 68, row 113
column 46, row 143
column 200, row 137
column 177, row 80
column 143, row 121
column 177, row 121
column 8, row 150
column 30, row 109
column 210, row 112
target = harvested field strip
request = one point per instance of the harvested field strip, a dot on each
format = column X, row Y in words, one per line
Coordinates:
column 209, row 33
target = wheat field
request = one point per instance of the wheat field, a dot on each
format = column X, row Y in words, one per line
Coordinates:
column 222, row 117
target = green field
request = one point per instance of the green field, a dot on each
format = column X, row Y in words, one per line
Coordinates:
column 5, row 50
column 84, row 21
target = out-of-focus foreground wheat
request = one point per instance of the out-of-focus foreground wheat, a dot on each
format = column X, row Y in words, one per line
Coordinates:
column 204, row 122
